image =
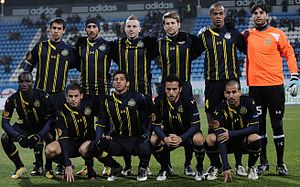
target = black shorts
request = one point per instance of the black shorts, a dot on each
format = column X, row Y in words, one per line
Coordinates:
column 123, row 146
column 73, row 147
column 270, row 98
column 237, row 145
column 214, row 94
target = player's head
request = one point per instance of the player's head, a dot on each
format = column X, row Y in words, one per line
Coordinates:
column 233, row 93
column 121, row 82
column 259, row 12
column 217, row 15
column 57, row 29
column 74, row 94
column 173, row 87
column 25, row 82
column 92, row 28
column 171, row 23
column 132, row 27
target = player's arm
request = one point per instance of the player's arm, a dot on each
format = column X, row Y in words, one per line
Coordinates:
column 6, row 117
column 194, row 120
column 33, row 58
column 157, row 118
column 65, row 148
column 241, row 44
column 102, row 122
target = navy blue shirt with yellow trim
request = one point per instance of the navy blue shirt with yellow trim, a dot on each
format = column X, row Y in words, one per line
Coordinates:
column 76, row 124
column 221, row 60
column 53, row 61
column 235, row 119
column 176, row 55
column 176, row 118
column 33, row 110
column 134, row 57
column 126, row 114
column 94, row 61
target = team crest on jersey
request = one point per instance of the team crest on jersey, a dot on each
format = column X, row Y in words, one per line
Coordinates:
column 5, row 114
column 140, row 44
column 243, row 110
column 227, row 35
column 181, row 42
column 180, row 108
column 102, row 47
column 131, row 102
column 87, row 111
column 65, row 52
column 267, row 41
column 37, row 103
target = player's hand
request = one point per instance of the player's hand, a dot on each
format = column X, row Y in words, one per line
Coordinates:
column 69, row 174
column 228, row 177
column 293, row 85
column 23, row 141
column 175, row 139
column 33, row 140
column 246, row 33
column 169, row 142
column 224, row 136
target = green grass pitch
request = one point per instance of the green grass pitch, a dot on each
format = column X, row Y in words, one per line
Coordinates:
column 292, row 159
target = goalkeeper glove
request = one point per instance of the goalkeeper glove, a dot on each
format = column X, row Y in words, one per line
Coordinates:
column 293, row 85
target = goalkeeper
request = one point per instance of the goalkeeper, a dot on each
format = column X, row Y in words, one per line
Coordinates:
column 265, row 77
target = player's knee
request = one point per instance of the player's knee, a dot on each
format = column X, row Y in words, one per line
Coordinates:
column 254, row 146
column 154, row 140
column 198, row 139
column 53, row 149
column 145, row 148
column 83, row 149
column 4, row 138
column 252, row 138
column 210, row 139
column 277, row 126
column 102, row 144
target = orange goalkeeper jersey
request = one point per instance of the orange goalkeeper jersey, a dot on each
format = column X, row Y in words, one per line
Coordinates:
column 264, row 57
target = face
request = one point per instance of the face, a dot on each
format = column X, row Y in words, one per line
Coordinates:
column 74, row 97
column 25, row 83
column 217, row 16
column 259, row 17
column 232, row 95
column 171, row 26
column 56, row 32
column 132, row 29
column 120, row 83
column 172, row 91
column 92, row 31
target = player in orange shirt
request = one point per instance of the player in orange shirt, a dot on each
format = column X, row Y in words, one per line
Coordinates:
column 265, row 78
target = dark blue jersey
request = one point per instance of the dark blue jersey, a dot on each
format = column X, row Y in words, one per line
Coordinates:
column 76, row 124
column 176, row 118
column 134, row 57
column 53, row 60
column 94, row 61
column 33, row 110
column 126, row 114
column 221, row 60
column 176, row 55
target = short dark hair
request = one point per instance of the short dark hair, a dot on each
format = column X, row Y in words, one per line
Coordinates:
column 216, row 5
column 171, row 14
column 261, row 5
column 58, row 21
column 121, row 72
column 74, row 86
column 172, row 78
column 233, row 82
column 25, row 73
